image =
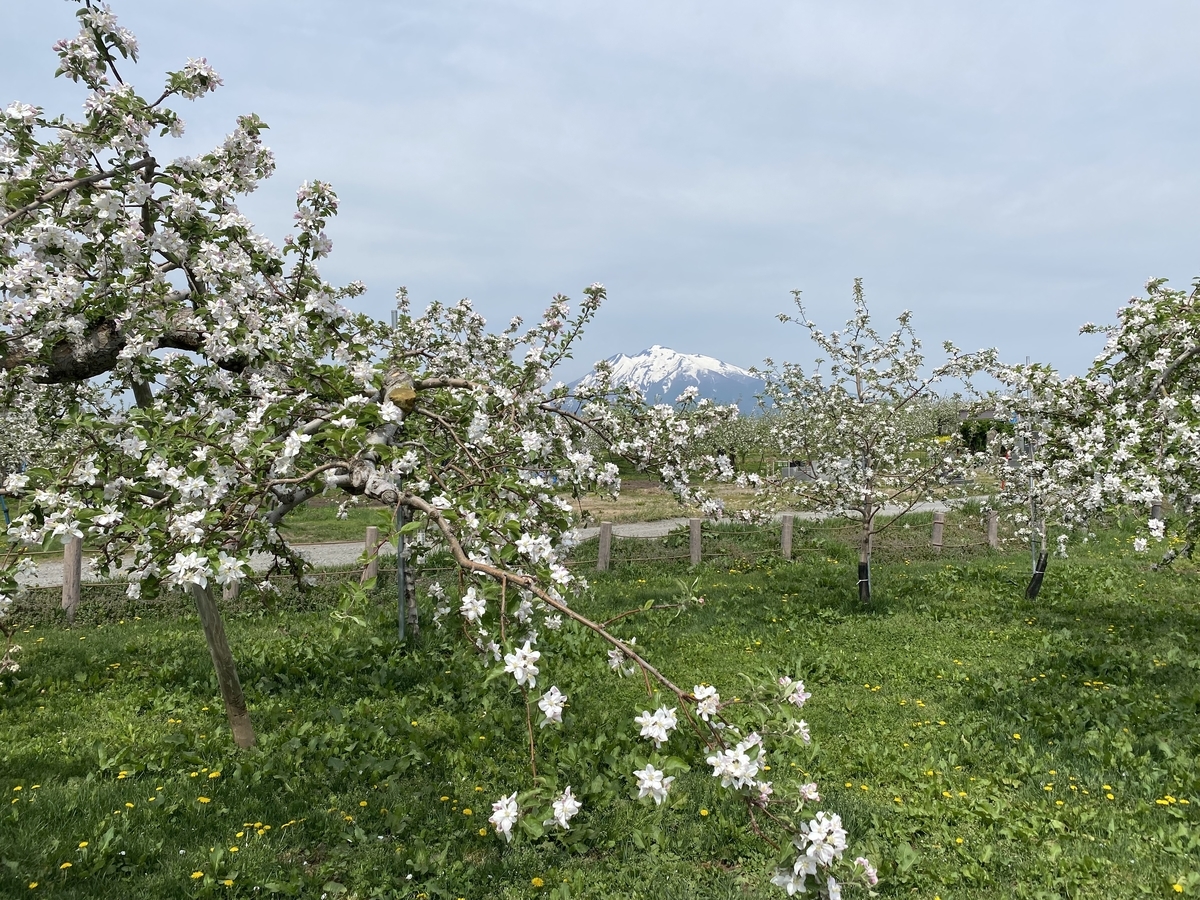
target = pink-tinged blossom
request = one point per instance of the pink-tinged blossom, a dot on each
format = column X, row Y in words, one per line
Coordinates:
column 797, row 695
column 809, row 792
column 869, row 870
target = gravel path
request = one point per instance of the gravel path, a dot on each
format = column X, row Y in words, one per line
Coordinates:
column 346, row 553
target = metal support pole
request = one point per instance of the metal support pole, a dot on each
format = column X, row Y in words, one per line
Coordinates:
column 401, row 574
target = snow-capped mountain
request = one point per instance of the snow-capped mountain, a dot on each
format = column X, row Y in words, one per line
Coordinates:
column 663, row 374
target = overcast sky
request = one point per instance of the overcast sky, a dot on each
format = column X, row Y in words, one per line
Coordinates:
column 1007, row 171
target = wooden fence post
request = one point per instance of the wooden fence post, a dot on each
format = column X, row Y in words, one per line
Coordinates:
column 785, row 539
column 694, row 540
column 604, row 554
column 993, row 528
column 939, row 523
column 231, row 591
column 372, row 547
column 72, row 577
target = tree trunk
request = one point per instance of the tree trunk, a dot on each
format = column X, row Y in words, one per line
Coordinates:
column 864, row 563
column 222, row 657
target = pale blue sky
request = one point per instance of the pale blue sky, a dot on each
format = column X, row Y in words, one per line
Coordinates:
column 1007, row 171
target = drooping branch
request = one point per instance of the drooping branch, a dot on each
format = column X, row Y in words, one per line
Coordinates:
column 529, row 583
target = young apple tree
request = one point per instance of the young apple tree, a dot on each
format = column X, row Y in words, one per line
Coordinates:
column 858, row 429
column 1125, row 434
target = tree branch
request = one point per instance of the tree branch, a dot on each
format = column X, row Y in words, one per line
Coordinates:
column 68, row 186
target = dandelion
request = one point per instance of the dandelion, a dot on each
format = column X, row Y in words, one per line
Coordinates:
column 65, row 865
column 537, row 882
column 704, row 812
column 197, row 875
column 204, row 799
column 82, row 844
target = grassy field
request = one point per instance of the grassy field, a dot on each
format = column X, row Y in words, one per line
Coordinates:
column 976, row 744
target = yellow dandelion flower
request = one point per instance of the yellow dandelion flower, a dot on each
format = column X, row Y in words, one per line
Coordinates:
column 704, row 812
column 482, row 832
column 197, row 874
column 204, row 799
column 466, row 812
column 65, row 865
column 82, row 844
column 32, row 885
column 536, row 882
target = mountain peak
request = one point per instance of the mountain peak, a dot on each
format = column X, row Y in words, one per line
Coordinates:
column 662, row 374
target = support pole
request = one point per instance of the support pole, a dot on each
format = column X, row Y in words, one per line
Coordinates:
column 993, row 529
column 939, row 524
column 604, row 552
column 372, row 548
column 72, row 577
column 785, row 539
column 694, row 540
column 222, row 657
column 401, row 575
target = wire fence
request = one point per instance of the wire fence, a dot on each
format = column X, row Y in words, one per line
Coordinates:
column 915, row 538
